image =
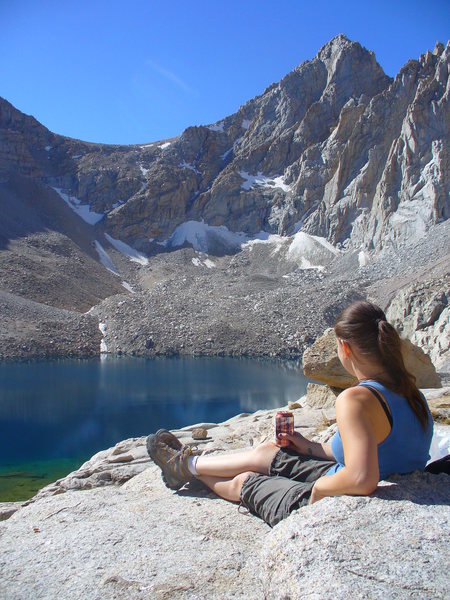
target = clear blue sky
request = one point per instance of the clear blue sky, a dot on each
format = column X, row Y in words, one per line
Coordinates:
column 135, row 71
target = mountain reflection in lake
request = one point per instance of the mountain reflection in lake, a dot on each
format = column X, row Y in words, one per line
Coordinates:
column 70, row 409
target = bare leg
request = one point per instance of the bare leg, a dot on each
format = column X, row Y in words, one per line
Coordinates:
column 228, row 488
column 257, row 460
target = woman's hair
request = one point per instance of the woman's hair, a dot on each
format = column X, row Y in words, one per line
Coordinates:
column 365, row 326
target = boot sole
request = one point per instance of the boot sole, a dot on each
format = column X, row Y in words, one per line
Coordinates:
column 174, row 441
column 171, row 482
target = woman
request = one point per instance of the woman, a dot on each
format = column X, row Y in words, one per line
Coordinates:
column 384, row 427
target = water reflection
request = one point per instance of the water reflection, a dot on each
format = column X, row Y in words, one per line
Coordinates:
column 62, row 409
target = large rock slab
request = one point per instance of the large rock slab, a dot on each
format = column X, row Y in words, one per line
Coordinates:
column 143, row 541
column 321, row 396
column 125, row 535
column 421, row 312
column 321, row 362
column 439, row 404
column 138, row 541
column 419, row 363
column 390, row 545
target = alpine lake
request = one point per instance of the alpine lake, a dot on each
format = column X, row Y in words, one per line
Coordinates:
column 54, row 415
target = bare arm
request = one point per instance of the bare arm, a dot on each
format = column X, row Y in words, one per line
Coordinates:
column 360, row 475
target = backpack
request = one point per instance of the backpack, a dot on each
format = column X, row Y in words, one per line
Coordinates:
column 439, row 466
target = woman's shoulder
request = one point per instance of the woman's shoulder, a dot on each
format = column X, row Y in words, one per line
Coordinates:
column 353, row 393
column 353, row 398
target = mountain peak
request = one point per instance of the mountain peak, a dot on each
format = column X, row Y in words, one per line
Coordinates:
column 335, row 45
column 438, row 48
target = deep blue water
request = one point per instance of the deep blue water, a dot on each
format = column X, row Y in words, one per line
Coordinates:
column 54, row 415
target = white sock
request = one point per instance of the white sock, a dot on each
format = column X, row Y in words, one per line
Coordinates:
column 192, row 461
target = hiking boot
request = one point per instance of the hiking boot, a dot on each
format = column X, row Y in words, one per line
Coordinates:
column 172, row 462
column 168, row 438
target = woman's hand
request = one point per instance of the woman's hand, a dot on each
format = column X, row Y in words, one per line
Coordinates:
column 304, row 446
column 296, row 442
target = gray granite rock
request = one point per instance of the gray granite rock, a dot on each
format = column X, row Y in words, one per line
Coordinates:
column 421, row 312
column 391, row 545
column 321, row 362
column 321, row 396
column 134, row 542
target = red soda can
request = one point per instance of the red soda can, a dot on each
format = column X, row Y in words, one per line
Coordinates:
column 284, row 423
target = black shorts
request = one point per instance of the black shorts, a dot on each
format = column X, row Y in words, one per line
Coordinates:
column 287, row 487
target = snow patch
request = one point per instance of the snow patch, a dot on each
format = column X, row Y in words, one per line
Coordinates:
column 261, row 180
column 307, row 251
column 127, row 250
column 144, row 171
column 164, row 146
column 227, row 153
column 185, row 165
column 311, row 251
column 363, row 258
column 206, row 263
column 305, row 264
column 208, row 238
column 82, row 210
column 48, row 148
column 103, row 346
column 147, row 145
column 246, row 123
column 265, row 238
column 217, row 127
column 105, row 259
column 202, row 236
column 325, row 243
column 77, row 156
column 279, row 182
column 128, row 287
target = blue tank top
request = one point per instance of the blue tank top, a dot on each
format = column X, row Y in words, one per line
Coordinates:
column 407, row 446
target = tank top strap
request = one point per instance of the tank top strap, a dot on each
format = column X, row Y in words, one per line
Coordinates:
column 381, row 400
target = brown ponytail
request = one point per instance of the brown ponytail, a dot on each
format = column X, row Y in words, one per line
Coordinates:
column 366, row 326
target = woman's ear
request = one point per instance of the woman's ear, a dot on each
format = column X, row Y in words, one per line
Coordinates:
column 345, row 348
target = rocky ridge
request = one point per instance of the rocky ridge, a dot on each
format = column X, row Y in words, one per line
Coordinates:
column 336, row 145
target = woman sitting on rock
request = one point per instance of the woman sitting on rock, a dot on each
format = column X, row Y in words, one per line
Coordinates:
column 384, row 427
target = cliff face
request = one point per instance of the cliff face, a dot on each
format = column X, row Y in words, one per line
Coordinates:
column 335, row 148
